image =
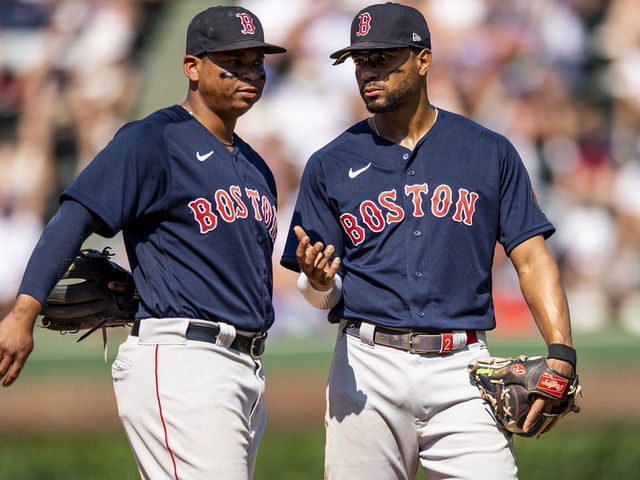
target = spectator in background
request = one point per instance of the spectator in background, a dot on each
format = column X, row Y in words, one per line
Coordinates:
column 26, row 171
column 66, row 67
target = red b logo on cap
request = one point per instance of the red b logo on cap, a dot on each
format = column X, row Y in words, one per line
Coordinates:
column 365, row 24
column 247, row 23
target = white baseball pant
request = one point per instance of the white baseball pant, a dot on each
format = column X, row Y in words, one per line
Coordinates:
column 190, row 409
column 388, row 410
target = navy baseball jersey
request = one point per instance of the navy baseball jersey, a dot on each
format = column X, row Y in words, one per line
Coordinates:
column 198, row 221
column 416, row 230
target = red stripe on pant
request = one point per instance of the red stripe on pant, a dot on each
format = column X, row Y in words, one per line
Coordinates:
column 164, row 426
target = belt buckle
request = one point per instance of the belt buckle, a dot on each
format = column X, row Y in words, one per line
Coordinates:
column 257, row 345
column 411, row 349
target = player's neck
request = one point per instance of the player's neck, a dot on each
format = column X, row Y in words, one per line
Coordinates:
column 406, row 125
column 221, row 127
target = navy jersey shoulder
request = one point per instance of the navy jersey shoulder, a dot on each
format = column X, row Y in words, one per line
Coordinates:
column 134, row 166
column 463, row 133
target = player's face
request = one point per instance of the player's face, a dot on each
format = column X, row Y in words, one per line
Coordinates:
column 387, row 79
column 231, row 82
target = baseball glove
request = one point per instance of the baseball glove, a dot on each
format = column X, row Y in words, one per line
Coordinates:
column 509, row 385
column 94, row 293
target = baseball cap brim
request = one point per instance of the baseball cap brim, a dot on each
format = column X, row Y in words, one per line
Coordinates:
column 241, row 45
column 342, row 55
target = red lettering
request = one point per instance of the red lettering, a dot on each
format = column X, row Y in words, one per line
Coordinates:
column 441, row 200
column 236, row 193
column 273, row 231
column 224, row 204
column 201, row 209
column 254, row 196
column 372, row 216
column 247, row 23
column 466, row 205
column 365, row 24
column 352, row 229
column 416, row 191
column 385, row 199
column 267, row 213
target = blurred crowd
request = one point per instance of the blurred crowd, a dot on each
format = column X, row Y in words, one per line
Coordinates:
column 66, row 85
column 559, row 78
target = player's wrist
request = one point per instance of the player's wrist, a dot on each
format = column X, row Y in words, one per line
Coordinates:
column 563, row 352
column 25, row 311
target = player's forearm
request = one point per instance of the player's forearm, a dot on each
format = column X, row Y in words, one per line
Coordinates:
column 540, row 284
column 548, row 304
column 546, row 299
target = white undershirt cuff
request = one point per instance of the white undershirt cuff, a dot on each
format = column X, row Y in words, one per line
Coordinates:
column 320, row 299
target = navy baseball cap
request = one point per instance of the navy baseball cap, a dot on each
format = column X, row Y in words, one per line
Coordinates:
column 384, row 26
column 220, row 29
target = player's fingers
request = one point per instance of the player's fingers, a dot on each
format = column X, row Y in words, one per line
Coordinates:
column 316, row 260
column 534, row 413
column 117, row 286
column 312, row 254
column 5, row 365
column 333, row 268
column 13, row 374
column 323, row 259
column 303, row 244
column 300, row 233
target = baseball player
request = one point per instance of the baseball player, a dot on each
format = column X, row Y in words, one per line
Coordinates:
column 394, row 230
column 197, row 207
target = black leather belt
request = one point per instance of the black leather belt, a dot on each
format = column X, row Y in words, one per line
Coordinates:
column 252, row 344
column 409, row 340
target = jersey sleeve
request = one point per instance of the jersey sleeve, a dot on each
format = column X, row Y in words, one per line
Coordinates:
column 126, row 180
column 314, row 213
column 521, row 216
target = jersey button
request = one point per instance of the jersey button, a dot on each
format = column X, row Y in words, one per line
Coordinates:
column 417, row 233
column 411, row 172
column 421, row 314
column 418, row 274
column 405, row 156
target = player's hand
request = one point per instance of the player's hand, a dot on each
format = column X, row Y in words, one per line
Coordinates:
column 314, row 262
column 16, row 337
column 544, row 404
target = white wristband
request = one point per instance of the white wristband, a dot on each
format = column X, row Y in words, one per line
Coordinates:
column 318, row 298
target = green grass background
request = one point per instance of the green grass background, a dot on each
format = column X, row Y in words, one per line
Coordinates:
column 595, row 450
column 588, row 452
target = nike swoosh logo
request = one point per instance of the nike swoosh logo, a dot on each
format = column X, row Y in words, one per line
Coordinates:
column 202, row 158
column 354, row 174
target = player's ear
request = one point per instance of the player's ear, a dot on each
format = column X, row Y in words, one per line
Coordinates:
column 424, row 61
column 191, row 65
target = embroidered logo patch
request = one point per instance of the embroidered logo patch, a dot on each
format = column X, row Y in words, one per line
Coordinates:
column 518, row 370
column 552, row 384
column 248, row 28
column 365, row 24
